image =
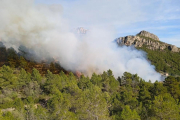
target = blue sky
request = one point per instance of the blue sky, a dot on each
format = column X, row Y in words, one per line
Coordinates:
column 126, row 17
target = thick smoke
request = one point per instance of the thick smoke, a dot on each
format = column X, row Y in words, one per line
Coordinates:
column 43, row 29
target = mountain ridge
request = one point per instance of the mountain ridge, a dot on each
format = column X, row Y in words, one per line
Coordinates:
column 165, row 57
column 144, row 38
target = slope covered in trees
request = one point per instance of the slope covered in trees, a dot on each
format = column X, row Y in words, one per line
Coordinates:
column 164, row 60
column 165, row 57
column 45, row 91
column 26, row 60
column 31, row 96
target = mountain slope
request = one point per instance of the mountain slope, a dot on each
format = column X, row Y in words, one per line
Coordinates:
column 163, row 56
column 23, row 59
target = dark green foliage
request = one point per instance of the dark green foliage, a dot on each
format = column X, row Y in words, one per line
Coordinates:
column 23, row 63
column 7, row 116
column 3, row 53
column 164, row 60
column 96, row 80
column 128, row 114
column 158, row 89
column 172, row 86
column 36, row 76
column 53, row 82
column 109, row 83
column 84, row 82
column 12, row 57
column 164, row 107
column 25, row 96
column 24, row 59
column 24, row 78
column 7, row 78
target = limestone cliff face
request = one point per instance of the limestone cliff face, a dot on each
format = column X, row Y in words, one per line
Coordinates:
column 147, row 34
column 146, row 39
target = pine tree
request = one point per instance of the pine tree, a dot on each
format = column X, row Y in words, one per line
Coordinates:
column 128, row 114
column 165, row 108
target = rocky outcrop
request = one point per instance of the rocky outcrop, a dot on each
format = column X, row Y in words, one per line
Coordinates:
column 148, row 34
column 146, row 39
column 81, row 30
column 173, row 48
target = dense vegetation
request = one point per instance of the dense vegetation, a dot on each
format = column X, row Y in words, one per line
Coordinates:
column 25, row 96
column 24, row 59
column 164, row 60
column 45, row 91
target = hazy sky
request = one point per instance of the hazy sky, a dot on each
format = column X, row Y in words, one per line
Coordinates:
column 127, row 17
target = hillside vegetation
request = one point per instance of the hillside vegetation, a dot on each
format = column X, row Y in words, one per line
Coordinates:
column 164, row 60
column 18, row 60
column 25, row 96
column 163, row 56
column 45, row 91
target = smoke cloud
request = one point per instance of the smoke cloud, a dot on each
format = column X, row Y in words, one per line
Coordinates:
column 43, row 29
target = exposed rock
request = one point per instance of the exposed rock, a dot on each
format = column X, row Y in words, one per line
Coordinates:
column 81, row 30
column 173, row 48
column 146, row 39
column 148, row 34
column 8, row 110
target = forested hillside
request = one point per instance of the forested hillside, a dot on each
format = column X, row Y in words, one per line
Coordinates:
column 23, row 59
column 61, row 60
column 163, row 56
column 26, row 96
column 45, row 91
column 164, row 61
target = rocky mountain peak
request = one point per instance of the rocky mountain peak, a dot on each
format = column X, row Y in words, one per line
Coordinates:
column 146, row 39
column 81, row 30
column 148, row 34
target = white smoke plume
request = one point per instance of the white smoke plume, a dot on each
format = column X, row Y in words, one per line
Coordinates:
column 43, row 29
